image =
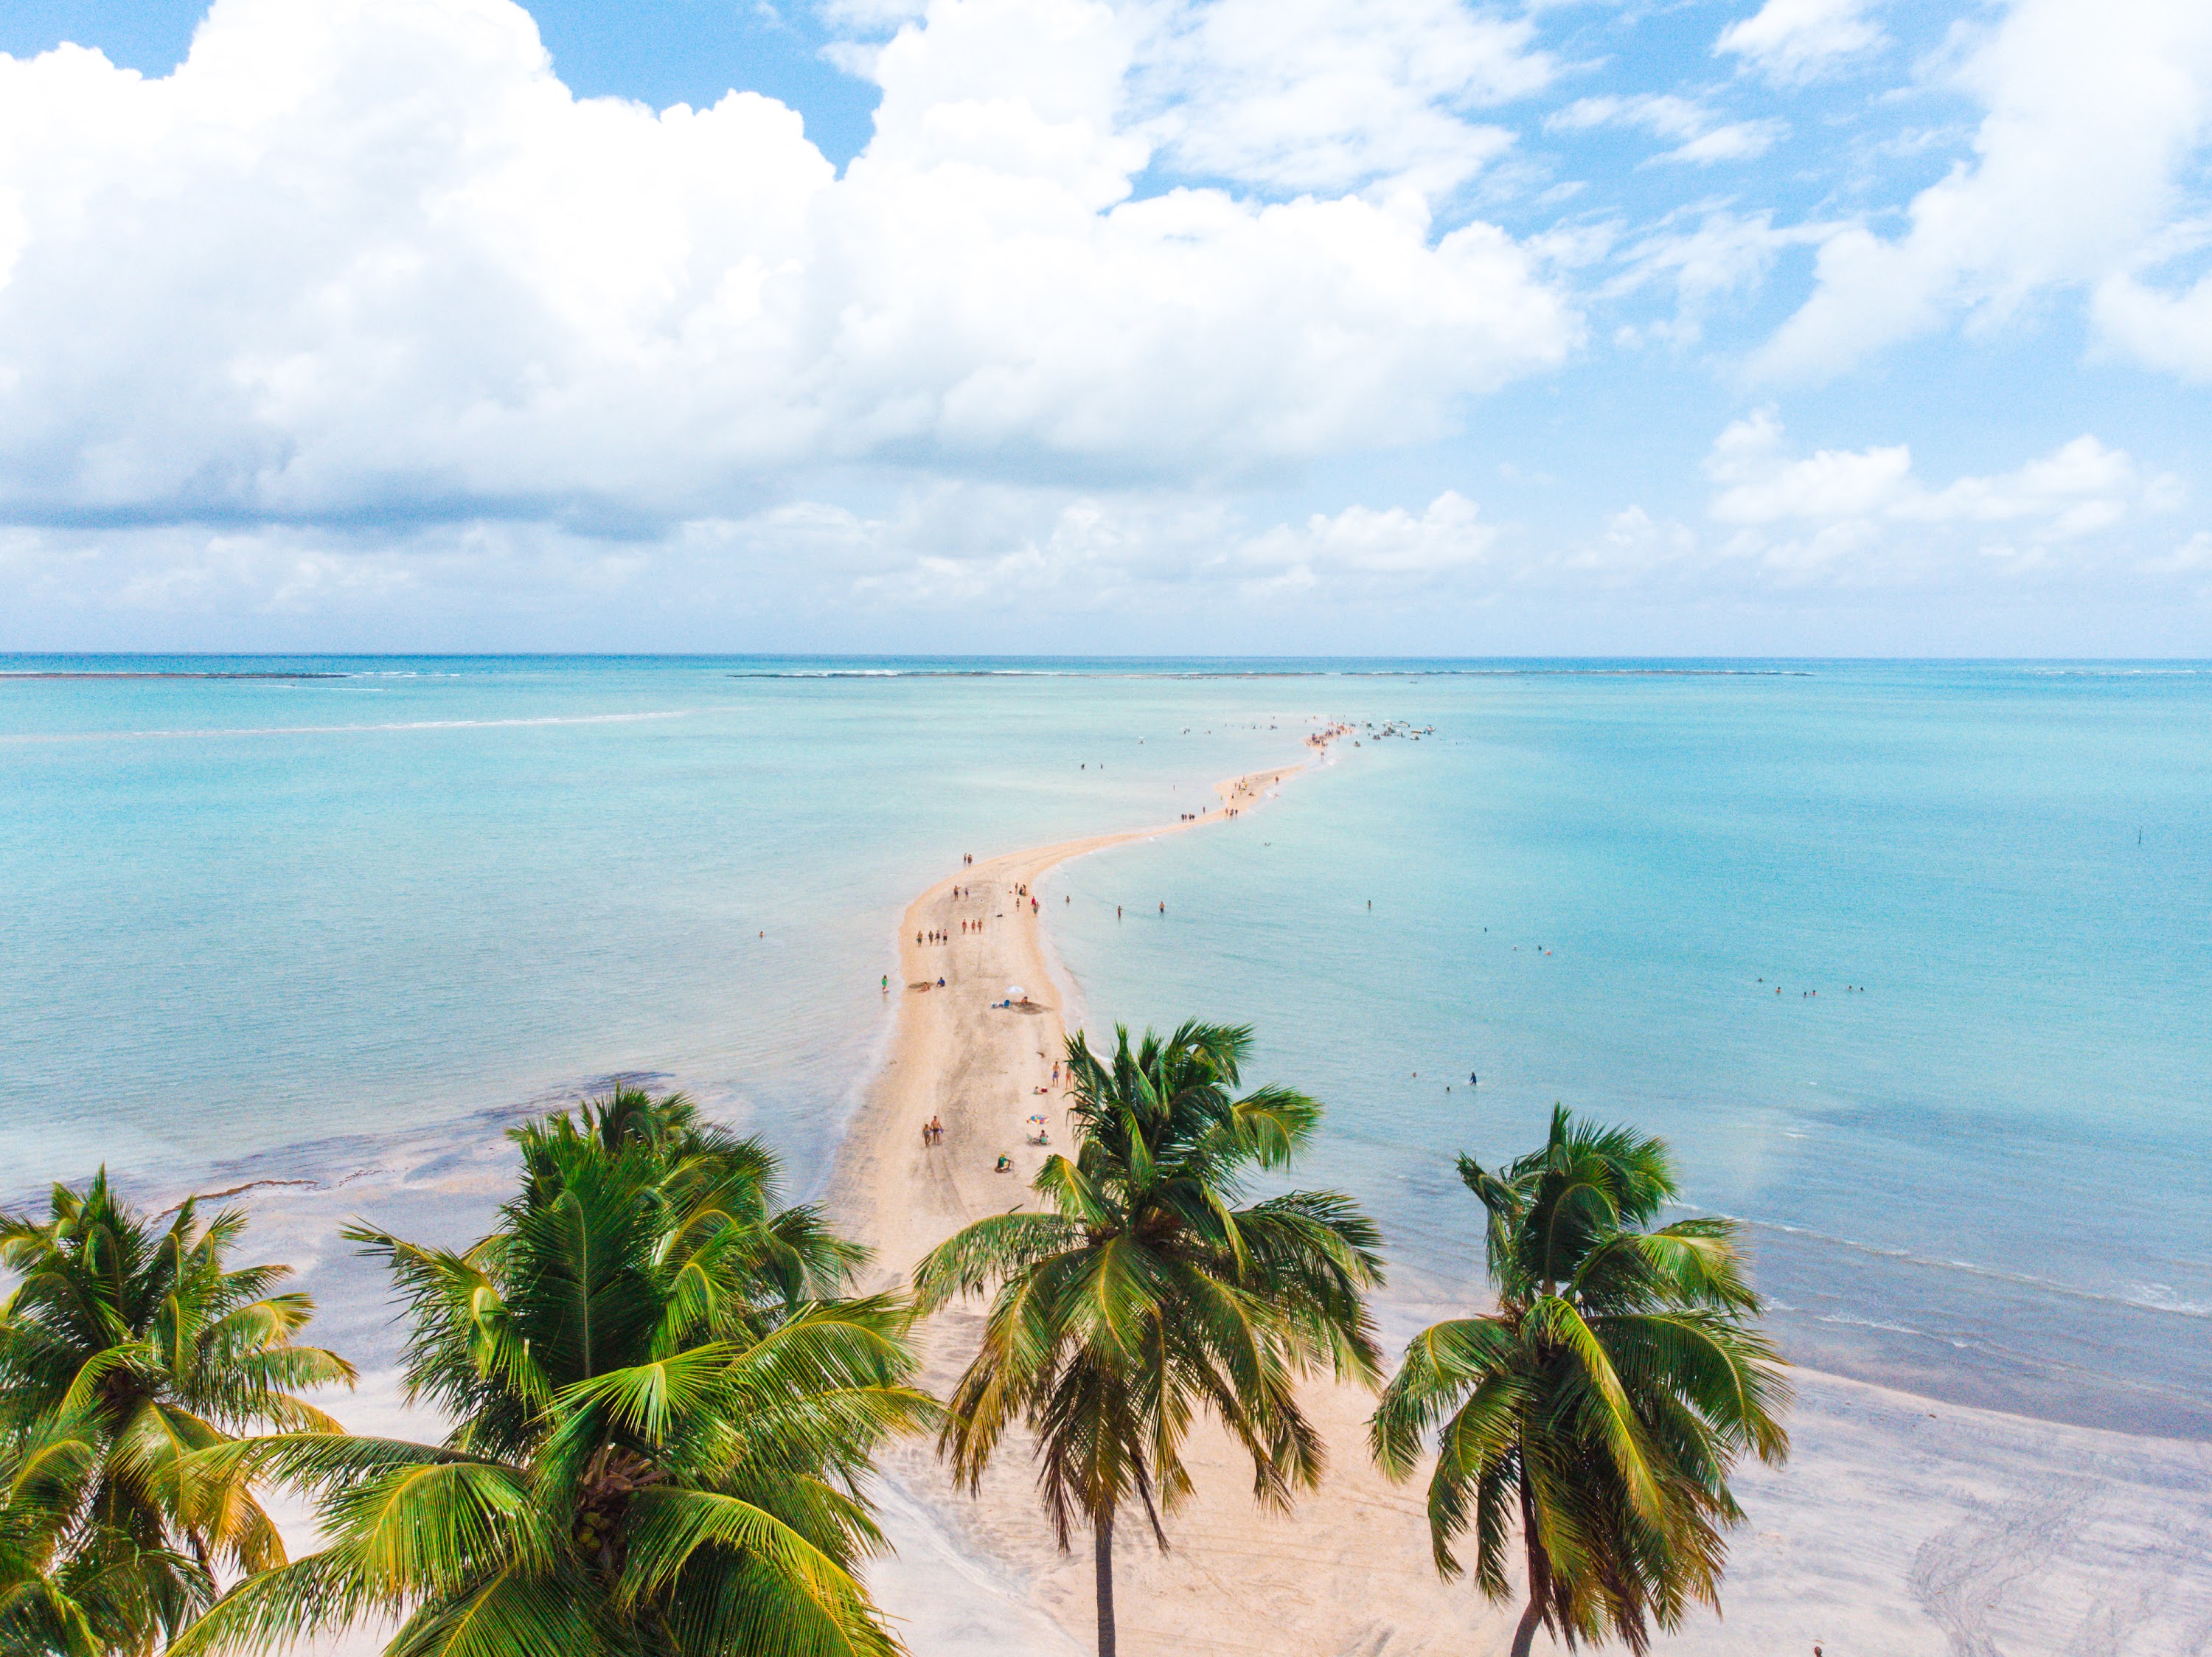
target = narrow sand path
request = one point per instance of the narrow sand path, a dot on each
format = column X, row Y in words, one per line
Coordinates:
column 1350, row 1566
column 980, row 1068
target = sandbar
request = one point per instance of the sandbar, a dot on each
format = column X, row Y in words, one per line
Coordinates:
column 1900, row 1527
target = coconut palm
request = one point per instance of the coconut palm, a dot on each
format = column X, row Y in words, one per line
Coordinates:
column 1603, row 1405
column 50, row 1594
column 127, row 1347
column 661, row 1419
column 70, row 1585
column 1144, row 1294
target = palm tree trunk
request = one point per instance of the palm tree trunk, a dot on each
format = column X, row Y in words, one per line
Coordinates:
column 1102, row 1553
column 1525, row 1635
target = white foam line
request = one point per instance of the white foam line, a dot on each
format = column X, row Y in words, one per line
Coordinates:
column 2173, row 1305
column 341, row 730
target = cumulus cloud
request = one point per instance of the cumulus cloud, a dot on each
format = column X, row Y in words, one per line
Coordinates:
column 1631, row 548
column 1368, row 546
column 2167, row 330
column 1795, row 40
column 958, row 559
column 371, row 258
column 1807, row 510
column 1702, row 137
column 2095, row 116
column 957, row 544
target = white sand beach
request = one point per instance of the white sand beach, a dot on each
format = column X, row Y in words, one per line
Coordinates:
column 1900, row 1527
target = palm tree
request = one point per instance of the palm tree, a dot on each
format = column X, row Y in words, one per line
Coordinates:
column 126, row 1347
column 1144, row 1294
column 1604, row 1402
column 47, row 1604
column 70, row 1584
column 662, row 1419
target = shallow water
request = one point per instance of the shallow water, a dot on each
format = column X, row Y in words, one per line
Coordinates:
column 318, row 926
column 1980, row 1173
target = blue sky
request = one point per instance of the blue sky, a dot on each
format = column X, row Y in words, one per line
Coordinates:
column 1753, row 326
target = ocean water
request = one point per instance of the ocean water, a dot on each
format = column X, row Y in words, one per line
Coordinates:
column 338, row 928
column 1909, row 964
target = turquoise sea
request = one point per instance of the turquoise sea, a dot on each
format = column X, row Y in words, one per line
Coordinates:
column 335, row 919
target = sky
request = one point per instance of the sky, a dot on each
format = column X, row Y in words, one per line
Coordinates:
column 1417, row 327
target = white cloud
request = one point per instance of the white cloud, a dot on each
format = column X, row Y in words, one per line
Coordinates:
column 1315, row 94
column 1737, row 140
column 1809, row 510
column 2095, row 116
column 1631, row 547
column 1722, row 253
column 1795, row 40
column 1663, row 113
column 964, row 544
column 1760, row 486
column 1704, row 137
column 2193, row 557
column 1361, row 542
column 2168, row 331
column 370, row 256
column 970, row 557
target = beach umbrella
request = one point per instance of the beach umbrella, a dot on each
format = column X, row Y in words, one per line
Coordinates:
column 1015, row 992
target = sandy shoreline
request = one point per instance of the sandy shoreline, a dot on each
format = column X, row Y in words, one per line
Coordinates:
column 978, row 1067
column 1901, row 1526
column 983, row 1069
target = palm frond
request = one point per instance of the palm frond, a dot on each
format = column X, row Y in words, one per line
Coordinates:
column 1599, row 1410
column 1003, row 1245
